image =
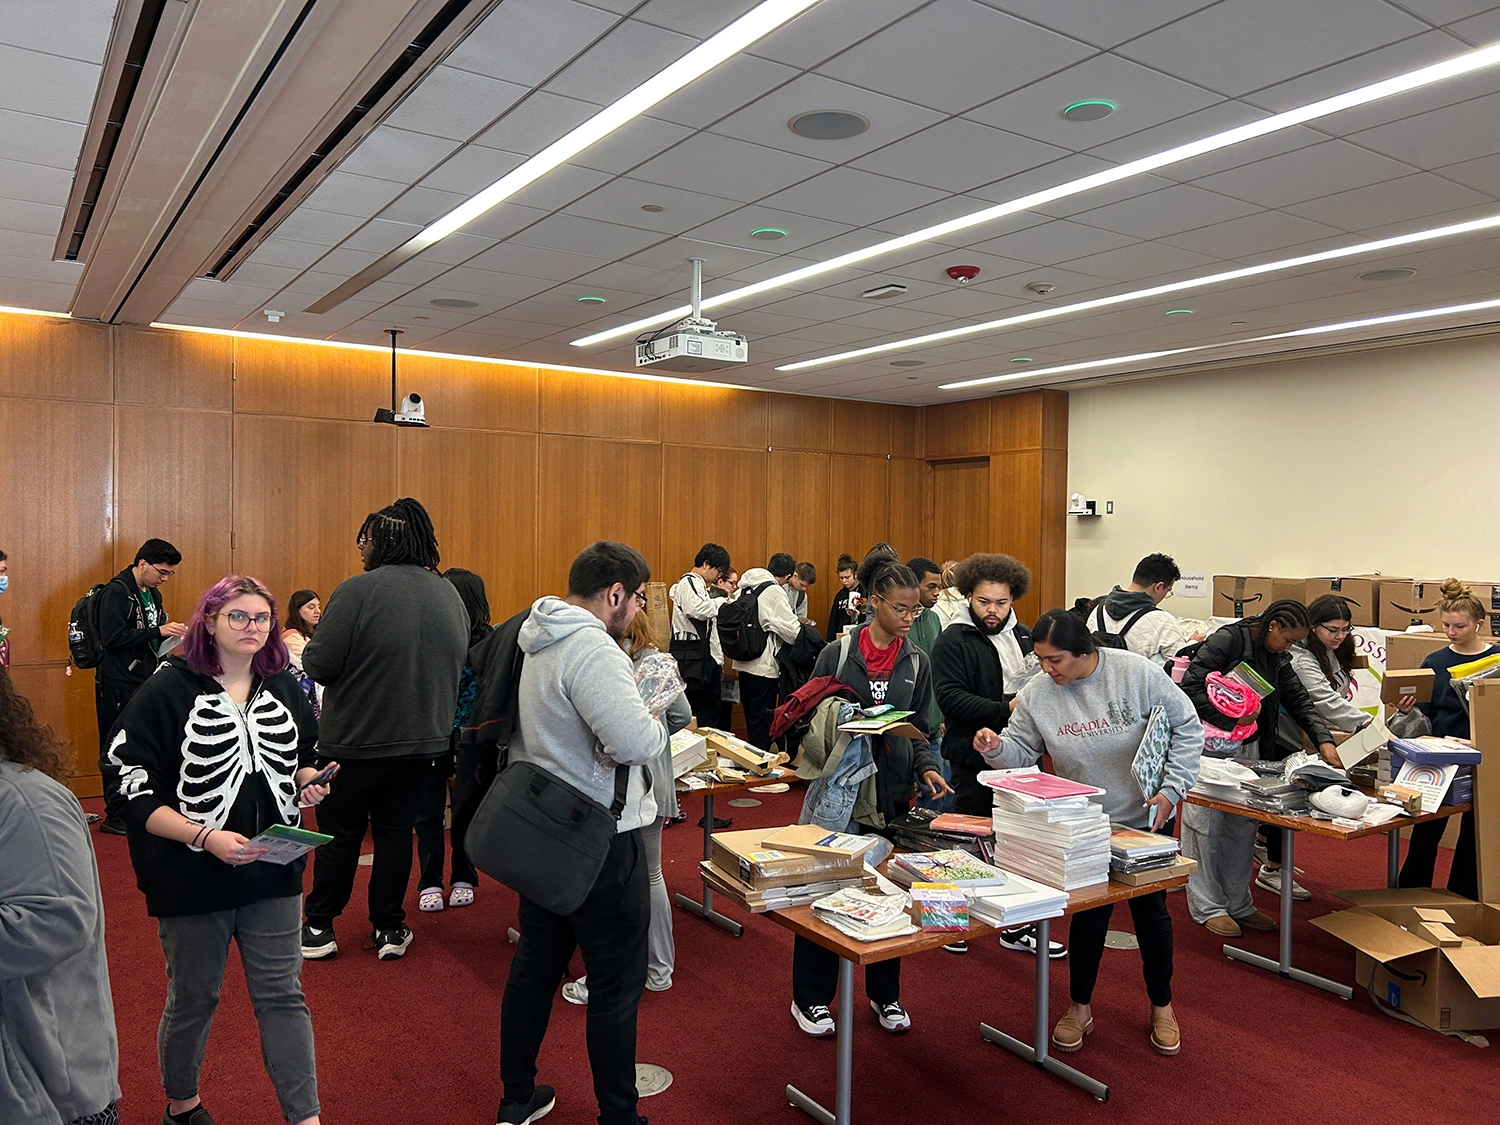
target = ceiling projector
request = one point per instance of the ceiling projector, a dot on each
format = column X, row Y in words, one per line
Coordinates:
column 693, row 343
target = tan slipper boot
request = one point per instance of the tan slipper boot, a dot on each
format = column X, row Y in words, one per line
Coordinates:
column 1068, row 1034
column 1222, row 925
column 1166, row 1036
column 1259, row 921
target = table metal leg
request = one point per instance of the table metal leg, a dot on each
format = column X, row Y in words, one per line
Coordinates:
column 843, row 1074
column 1283, row 966
column 1393, row 857
column 705, row 909
column 1038, row 1053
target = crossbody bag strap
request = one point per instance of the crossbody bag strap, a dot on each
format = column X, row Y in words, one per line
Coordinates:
column 622, row 783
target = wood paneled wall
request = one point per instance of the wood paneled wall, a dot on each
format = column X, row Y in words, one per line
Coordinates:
column 258, row 457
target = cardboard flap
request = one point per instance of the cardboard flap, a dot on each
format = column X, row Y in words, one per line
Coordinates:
column 1403, row 896
column 1372, row 935
column 1428, row 914
column 1479, row 965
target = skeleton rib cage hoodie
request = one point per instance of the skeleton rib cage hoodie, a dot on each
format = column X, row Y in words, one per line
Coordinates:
column 181, row 743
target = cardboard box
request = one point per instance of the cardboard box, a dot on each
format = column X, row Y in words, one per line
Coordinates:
column 1245, row 595
column 1488, row 594
column 1408, row 650
column 739, row 752
column 1401, row 682
column 747, row 856
column 660, row 611
column 1361, row 591
column 1412, row 968
column 1183, row 866
column 1404, row 604
column 1484, row 729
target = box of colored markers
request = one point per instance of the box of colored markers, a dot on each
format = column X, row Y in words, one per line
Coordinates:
column 939, row 906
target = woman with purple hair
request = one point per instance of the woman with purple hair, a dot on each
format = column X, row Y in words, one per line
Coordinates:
column 216, row 747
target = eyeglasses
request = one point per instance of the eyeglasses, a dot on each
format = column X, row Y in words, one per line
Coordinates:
column 240, row 621
column 160, row 573
column 1332, row 632
column 362, row 541
column 905, row 612
column 640, row 599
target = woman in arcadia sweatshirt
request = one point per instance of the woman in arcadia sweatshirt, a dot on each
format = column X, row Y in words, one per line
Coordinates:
column 215, row 748
column 1090, row 712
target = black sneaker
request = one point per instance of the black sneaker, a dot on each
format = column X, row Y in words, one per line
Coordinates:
column 317, row 942
column 1023, row 940
column 543, row 1098
column 719, row 822
column 113, row 826
column 390, row 944
column 195, row 1116
column 956, row 947
column 893, row 1016
column 816, row 1020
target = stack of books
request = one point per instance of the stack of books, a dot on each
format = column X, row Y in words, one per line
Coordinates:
column 1276, row 795
column 743, row 866
column 1133, row 851
column 1431, row 752
column 866, row 915
column 1016, row 902
column 1048, row 829
column 923, row 830
column 952, row 866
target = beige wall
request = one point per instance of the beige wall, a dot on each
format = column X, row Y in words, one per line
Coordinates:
column 1310, row 467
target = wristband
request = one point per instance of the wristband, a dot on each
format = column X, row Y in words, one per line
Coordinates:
column 199, row 836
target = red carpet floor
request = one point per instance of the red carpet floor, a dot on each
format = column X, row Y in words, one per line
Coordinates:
column 415, row 1040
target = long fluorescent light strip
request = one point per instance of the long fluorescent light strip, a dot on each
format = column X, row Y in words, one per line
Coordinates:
column 1400, row 84
column 35, row 312
column 385, row 349
column 753, row 25
column 1378, row 245
column 1142, row 357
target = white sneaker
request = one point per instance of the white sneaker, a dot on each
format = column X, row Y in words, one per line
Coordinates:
column 816, row 1020
column 893, row 1016
column 1269, row 879
column 576, row 991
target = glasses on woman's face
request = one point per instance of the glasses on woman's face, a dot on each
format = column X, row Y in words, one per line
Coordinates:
column 240, row 621
column 1334, row 632
column 904, row 612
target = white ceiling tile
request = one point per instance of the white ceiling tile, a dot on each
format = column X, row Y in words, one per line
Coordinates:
column 562, row 186
column 1103, row 25
column 1190, row 127
column 499, row 222
column 285, row 252
column 959, row 155
column 828, row 28
column 758, row 322
column 1441, row 12
column 1241, row 45
column 259, row 274
column 33, row 218
column 953, row 207
column 1144, row 262
column 47, row 85
column 532, row 261
column 732, row 84
column 816, row 307
column 1440, row 136
column 942, row 311
column 415, row 272
column 35, row 269
column 852, row 196
column 22, row 244
column 526, row 40
column 454, row 103
column 204, row 314
column 729, row 168
column 461, row 247
column 817, row 338
column 344, row 193
column 462, row 341
column 574, row 234
column 801, row 230
column 472, row 169
column 632, row 143
column 621, row 61
column 40, row 140
column 634, row 279
column 421, row 205
column 1142, row 98
column 536, row 122
column 1480, row 29
column 321, row 228
column 767, row 121
column 230, row 293
column 82, row 32
column 1054, row 242
column 1253, row 236
column 1305, row 174
column 1280, row 143
column 992, row 266
column 1482, row 175
column 700, row 18
column 381, row 235
column 35, row 183
column 388, row 153
column 1176, row 208
column 718, row 261
column 984, row 53
column 345, row 262
column 621, row 200
column 1393, row 201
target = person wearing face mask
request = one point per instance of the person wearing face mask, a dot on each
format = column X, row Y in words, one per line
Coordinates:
column 1445, row 717
column 1223, row 843
column 4, row 632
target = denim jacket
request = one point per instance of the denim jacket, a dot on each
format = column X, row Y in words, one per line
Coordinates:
column 841, row 768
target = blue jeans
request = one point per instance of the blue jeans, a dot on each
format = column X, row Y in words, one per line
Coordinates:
column 940, row 804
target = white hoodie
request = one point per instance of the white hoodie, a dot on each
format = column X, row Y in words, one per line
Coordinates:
column 775, row 617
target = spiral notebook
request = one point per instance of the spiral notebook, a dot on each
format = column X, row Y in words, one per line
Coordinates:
column 1150, row 764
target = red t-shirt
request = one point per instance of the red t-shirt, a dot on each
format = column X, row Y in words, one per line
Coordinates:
column 879, row 664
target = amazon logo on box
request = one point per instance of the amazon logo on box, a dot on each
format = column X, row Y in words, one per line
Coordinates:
column 1404, row 604
column 1245, row 595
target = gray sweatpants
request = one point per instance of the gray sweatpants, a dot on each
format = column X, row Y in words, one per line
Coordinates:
column 661, row 951
column 1224, row 846
column 197, row 948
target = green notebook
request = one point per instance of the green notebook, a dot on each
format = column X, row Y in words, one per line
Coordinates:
column 284, row 843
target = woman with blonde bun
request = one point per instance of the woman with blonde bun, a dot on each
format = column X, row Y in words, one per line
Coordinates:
column 1446, row 717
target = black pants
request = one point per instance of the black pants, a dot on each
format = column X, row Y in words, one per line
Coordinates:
column 381, row 795
column 1421, row 857
column 1153, row 930
column 610, row 930
column 815, row 976
column 969, row 796
column 428, row 826
column 758, row 698
column 1272, row 837
column 473, row 771
column 109, row 701
column 704, row 698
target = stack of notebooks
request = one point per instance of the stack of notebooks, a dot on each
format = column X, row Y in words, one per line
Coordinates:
column 1138, row 857
column 923, row 830
column 952, row 866
column 1276, row 795
column 865, row 915
column 1015, row 902
column 1431, row 752
column 1048, row 829
column 762, row 876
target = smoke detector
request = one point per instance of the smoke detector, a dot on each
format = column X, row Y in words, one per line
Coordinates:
column 1042, row 288
column 962, row 274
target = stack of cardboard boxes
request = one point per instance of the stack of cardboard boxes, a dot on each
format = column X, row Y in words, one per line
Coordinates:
column 1375, row 600
column 761, row 877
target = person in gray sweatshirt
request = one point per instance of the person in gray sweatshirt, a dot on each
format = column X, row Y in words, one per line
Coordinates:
column 58, row 1054
column 1090, row 712
column 580, row 716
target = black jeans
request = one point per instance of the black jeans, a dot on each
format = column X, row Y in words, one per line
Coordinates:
column 1153, row 930
column 1421, row 857
column 382, row 795
column 815, row 976
column 429, row 828
column 969, row 796
column 704, row 698
column 610, row 930
column 109, row 701
column 758, row 698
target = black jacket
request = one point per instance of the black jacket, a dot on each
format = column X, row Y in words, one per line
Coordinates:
column 182, row 744
column 1228, row 647
column 900, row 762
column 497, row 660
column 127, row 635
column 389, row 651
column 971, row 688
column 839, row 616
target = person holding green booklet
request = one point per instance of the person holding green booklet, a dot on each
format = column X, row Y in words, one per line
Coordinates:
column 216, row 748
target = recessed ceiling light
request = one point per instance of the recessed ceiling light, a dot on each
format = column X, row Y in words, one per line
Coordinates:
column 452, row 303
column 1020, row 359
column 421, row 318
column 828, row 125
column 883, row 292
column 1396, row 274
column 1239, row 323
column 1489, row 222
column 591, row 300
column 908, row 362
column 1178, row 312
column 1465, row 63
column 654, row 208
column 1092, row 109
column 768, row 234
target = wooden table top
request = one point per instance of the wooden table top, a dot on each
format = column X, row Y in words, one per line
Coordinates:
column 1321, row 827
column 782, row 774
column 801, row 920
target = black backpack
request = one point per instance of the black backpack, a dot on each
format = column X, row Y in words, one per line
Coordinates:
column 84, row 647
column 741, row 635
column 1103, row 637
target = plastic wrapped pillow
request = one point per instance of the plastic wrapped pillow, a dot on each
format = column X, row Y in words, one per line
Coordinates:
column 659, row 681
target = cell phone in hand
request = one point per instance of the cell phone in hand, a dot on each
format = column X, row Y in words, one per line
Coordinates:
column 328, row 774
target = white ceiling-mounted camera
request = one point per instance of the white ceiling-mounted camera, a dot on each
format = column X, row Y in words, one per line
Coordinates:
column 411, row 411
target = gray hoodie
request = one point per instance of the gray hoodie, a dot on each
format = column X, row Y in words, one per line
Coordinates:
column 1329, row 698
column 58, row 1053
column 580, row 713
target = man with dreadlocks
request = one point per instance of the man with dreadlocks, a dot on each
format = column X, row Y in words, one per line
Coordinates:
column 389, row 651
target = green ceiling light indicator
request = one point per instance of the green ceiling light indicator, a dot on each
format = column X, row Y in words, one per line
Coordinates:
column 768, row 234
column 592, row 300
column 1178, row 312
column 1020, row 359
column 1091, row 109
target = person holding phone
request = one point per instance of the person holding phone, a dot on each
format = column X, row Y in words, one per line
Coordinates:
column 216, row 747
column 1089, row 712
